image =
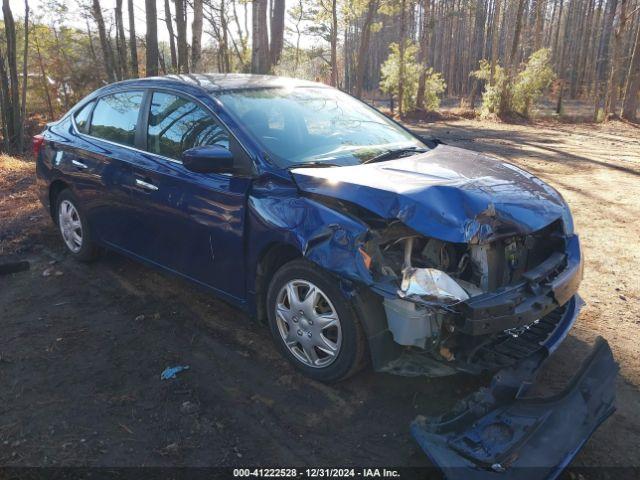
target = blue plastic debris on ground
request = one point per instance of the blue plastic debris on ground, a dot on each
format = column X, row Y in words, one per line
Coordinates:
column 170, row 372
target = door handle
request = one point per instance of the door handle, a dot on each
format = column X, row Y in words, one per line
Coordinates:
column 146, row 185
column 78, row 164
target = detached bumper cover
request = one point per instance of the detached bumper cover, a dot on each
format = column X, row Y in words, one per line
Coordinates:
column 498, row 433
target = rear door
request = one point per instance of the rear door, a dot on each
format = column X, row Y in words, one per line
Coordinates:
column 191, row 223
column 101, row 163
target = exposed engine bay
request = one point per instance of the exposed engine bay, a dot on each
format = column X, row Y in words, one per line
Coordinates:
column 434, row 281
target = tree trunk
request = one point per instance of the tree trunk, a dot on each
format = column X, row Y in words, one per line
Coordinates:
column 224, row 46
column 505, row 98
column 423, row 53
column 121, row 41
column 105, row 42
column 540, row 8
column 11, row 95
column 260, row 38
column 196, row 35
column 494, row 42
column 632, row 90
column 92, row 48
column 401, row 62
column 181, row 30
column 334, row 43
column 241, row 37
column 45, row 81
column 277, row 30
column 5, row 101
column 603, row 49
column 365, row 37
column 151, row 37
column 593, row 50
column 479, row 44
column 133, row 46
column 172, row 36
column 613, row 84
column 23, row 108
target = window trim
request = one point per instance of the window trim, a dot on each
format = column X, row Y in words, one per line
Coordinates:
column 142, row 123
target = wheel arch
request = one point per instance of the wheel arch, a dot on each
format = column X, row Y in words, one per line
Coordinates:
column 272, row 257
column 55, row 188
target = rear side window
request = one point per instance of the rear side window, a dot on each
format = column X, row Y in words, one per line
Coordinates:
column 116, row 116
column 82, row 118
column 177, row 124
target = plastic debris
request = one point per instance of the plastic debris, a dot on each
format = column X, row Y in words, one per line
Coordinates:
column 170, row 372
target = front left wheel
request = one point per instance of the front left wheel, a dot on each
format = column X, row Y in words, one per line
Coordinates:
column 313, row 323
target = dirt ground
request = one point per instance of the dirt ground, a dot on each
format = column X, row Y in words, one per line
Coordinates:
column 83, row 346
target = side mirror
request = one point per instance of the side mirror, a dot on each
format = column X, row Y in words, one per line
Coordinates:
column 431, row 142
column 208, row 159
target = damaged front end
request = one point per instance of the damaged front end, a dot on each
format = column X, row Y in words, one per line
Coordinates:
column 472, row 266
column 473, row 307
column 500, row 306
column 474, row 261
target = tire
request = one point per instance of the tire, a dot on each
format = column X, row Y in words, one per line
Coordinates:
column 340, row 346
column 69, row 216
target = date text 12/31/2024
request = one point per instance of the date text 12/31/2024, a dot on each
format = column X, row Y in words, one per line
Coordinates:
column 316, row 473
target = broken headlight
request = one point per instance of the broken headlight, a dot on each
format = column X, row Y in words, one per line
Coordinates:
column 431, row 283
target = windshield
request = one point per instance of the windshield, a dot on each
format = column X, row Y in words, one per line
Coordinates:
column 315, row 125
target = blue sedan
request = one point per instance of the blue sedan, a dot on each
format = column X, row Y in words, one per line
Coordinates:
column 355, row 240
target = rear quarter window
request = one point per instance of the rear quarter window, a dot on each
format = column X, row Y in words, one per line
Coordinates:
column 82, row 117
column 115, row 117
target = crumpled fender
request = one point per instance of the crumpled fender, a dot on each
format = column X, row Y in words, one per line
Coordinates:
column 331, row 239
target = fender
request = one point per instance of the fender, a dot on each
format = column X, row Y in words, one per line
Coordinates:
column 278, row 215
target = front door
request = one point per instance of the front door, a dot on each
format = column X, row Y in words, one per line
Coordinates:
column 190, row 223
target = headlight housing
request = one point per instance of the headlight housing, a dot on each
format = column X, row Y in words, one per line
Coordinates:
column 434, row 284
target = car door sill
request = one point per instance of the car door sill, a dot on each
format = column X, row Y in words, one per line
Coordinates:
column 241, row 303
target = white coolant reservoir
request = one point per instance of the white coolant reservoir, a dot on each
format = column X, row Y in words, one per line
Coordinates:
column 410, row 324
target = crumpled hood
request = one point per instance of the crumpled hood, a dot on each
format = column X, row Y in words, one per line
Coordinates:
column 448, row 193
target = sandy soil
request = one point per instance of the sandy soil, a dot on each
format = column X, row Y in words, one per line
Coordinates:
column 83, row 345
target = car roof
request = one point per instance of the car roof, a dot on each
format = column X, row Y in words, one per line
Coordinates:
column 220, row 82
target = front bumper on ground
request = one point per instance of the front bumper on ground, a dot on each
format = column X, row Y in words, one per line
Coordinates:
column 500, row 433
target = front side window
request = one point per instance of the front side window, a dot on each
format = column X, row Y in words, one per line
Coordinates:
column 116, row 116
column 177, row 124
column 82, row 118
column 315, row 125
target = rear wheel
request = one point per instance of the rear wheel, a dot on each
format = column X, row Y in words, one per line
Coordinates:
column 313, row 323
column 73, row 227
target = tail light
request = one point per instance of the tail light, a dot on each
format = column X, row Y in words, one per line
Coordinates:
column 36, row 144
